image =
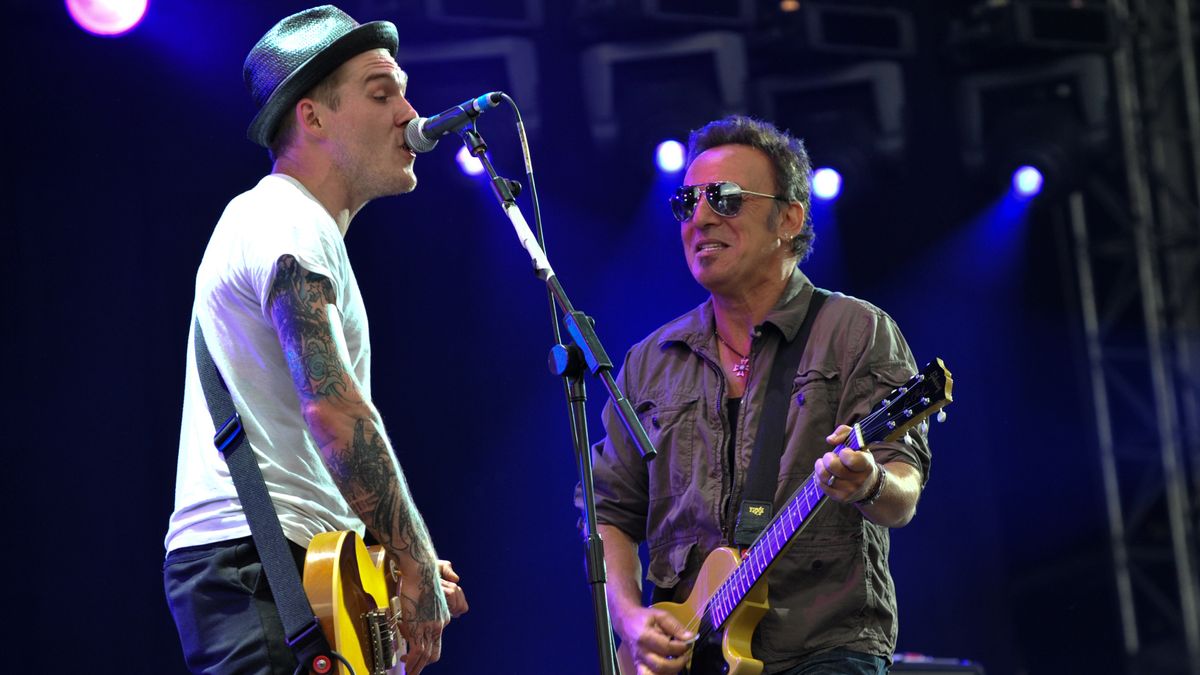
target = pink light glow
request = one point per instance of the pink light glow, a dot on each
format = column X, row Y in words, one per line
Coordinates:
column 107, row 18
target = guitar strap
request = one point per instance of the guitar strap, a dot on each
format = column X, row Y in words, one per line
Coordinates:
column 300, row 625
column 758, row 494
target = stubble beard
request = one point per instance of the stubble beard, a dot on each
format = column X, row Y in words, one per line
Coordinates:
column 384, row 181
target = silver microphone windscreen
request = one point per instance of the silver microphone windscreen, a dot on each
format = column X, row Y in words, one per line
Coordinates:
column 416, row 141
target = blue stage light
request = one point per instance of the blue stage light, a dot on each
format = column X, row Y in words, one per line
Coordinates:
column 669, row 156
column 827, row 184
column 107, row 18
column 469, row 163
column 1027, row 181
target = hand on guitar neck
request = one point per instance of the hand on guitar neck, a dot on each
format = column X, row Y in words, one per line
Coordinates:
column 846, row 475
column 850, row 476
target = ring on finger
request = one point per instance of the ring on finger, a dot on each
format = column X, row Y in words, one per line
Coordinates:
column 831, row 479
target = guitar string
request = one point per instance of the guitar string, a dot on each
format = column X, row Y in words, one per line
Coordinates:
column 871, row 425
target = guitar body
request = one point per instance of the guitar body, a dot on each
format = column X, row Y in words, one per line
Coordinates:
column 724, row 651
column 353, row 592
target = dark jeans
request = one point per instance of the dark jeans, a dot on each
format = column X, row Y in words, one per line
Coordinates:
column 224, row 610
column 840, row 662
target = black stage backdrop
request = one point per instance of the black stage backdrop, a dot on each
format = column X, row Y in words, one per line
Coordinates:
column 122, row 155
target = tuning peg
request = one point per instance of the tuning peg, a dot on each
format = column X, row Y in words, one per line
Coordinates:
column 941, row 416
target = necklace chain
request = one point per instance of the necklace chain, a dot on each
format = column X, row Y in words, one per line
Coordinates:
column 741, row 368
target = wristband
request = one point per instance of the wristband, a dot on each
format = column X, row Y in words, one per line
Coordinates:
column 874, row 496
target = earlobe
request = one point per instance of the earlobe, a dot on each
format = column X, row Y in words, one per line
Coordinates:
column 794, row 220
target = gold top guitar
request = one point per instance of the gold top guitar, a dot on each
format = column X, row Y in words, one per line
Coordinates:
column 354, row 594
column 730, row 594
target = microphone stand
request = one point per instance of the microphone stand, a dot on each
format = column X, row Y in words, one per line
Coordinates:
column 568, row 362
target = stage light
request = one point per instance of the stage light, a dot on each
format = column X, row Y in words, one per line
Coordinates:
column 851, row 118
column 826, row 184
column 669, row 156
column 1027, row 181
column 469, row 163
column 107, row 18
column 1053, row 117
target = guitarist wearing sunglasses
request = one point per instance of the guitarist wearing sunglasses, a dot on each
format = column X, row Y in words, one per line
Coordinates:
column 699, row 383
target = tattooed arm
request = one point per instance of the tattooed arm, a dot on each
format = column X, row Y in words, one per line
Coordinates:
column 355, row 449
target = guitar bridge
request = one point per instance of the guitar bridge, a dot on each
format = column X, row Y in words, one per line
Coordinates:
column 383, row 641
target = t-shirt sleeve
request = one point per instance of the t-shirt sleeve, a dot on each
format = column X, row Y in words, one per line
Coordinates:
column 304, row 240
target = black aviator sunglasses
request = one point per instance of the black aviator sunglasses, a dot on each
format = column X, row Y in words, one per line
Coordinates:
column 724, row 198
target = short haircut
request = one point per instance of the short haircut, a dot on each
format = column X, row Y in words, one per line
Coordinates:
column 324, row 91
column 793, row 170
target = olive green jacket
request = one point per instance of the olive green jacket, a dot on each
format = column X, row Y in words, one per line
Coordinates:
column 832, row 588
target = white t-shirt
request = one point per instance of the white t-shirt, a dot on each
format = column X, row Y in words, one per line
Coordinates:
column 278, row 217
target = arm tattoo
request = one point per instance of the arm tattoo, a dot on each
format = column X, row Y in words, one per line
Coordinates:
column 378, row 493
column 364, row 469
column 299, row 300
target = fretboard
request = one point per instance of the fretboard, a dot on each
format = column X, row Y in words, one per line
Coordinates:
column 924, row 394
column 770, row 544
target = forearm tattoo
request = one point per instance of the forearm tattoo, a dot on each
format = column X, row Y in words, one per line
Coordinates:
column 364, row 472
column 363, row 469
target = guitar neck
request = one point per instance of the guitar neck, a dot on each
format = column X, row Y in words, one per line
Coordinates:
column 904, row 408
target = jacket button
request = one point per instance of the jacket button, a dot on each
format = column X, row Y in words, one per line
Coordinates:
column 817, row 564
column 654, row 421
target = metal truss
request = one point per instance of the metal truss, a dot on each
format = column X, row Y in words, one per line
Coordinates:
column 1137, row 254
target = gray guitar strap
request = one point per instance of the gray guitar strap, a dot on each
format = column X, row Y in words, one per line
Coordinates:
column 300, row 625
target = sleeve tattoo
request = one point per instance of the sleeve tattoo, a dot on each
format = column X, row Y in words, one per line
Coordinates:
column 362, row 464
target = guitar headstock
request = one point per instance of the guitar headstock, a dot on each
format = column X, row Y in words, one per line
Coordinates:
column 924, row 394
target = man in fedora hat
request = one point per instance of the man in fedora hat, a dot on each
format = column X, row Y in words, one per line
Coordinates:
column 280, row 310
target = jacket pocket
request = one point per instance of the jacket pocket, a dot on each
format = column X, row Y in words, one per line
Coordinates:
column 670, row 422
column 816, row 386
column 668, row 561
column 819, row 590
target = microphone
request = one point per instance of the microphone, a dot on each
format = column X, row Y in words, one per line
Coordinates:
column 423, row 132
